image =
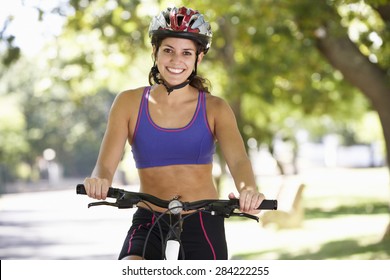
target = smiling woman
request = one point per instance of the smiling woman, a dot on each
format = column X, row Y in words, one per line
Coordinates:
column 173, row 126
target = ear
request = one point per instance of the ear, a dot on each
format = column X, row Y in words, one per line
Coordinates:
column 154, row 53
column 200, row 57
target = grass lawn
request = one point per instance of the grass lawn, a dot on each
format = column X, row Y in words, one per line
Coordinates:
column 346, row 214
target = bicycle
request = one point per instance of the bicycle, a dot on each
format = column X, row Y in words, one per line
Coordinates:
column 172, row 243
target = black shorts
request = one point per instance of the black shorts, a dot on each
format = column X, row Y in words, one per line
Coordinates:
column 202, row 236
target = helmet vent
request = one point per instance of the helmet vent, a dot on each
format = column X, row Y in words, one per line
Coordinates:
column 179, row 19
column 167, row 19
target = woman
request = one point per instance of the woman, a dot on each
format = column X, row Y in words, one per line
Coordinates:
column 173, row 126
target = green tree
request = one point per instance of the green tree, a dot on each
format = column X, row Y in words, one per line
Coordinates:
column 275, row 76
column 288, row 60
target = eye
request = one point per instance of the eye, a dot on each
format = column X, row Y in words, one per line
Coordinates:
column 167, row 50
column 187, row 53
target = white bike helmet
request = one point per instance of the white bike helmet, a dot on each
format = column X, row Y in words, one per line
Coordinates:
column 182, row 23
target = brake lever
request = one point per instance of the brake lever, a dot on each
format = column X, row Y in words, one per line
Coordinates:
column 120, row 203
column 100, row 203
column 240, row 214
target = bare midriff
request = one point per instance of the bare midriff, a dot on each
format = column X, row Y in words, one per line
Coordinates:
column 185, row 182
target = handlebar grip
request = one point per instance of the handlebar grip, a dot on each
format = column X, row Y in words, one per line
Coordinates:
column 268, row 204
column 80, row 189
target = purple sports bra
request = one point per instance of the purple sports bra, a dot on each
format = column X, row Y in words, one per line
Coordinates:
column 153, row 145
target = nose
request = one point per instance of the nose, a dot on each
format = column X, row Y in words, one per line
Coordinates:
column 175, row 57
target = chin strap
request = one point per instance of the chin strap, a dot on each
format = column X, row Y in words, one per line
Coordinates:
column 155, row 72
column 162, row 82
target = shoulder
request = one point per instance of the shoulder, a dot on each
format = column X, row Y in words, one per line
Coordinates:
column 127, row 101
column 131, row 94
column 129, row 97
column 217, row 105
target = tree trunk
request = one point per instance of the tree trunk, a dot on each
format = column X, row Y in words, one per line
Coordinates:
column 344, row 55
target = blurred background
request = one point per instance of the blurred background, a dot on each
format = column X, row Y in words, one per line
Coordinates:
column 309, row 82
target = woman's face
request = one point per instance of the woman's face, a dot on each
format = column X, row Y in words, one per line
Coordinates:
column 175, row 59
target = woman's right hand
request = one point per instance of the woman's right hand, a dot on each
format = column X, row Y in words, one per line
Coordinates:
column 97, row 187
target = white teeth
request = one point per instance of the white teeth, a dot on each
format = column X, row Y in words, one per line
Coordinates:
column 176, row 70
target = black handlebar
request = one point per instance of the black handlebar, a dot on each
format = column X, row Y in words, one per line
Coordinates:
column 127, row 199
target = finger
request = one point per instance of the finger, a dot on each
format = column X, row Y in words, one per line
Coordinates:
column 104, row 190
column 98, row 189
column 249, row 202
column 256, row 201
column 90, row 187
column 103, row 194
column 232, row 196
column 244, row 201
column 86, row 186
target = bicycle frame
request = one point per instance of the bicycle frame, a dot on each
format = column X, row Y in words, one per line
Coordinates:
column 175, row 207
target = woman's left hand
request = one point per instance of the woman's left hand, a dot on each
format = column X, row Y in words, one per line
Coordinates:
column 250, row 200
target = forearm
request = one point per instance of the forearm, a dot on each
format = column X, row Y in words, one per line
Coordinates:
column 103, row 172
column 243, row 175
column 110, row 154
column 244, row 179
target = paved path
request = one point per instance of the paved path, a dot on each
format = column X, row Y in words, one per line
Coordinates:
column 58, row 225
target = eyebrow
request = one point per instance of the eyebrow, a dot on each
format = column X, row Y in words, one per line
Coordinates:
column 186, row 49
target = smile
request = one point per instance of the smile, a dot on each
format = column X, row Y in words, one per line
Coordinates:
column 175, row 70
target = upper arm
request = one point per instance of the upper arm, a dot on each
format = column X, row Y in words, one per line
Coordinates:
column 227, row 133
